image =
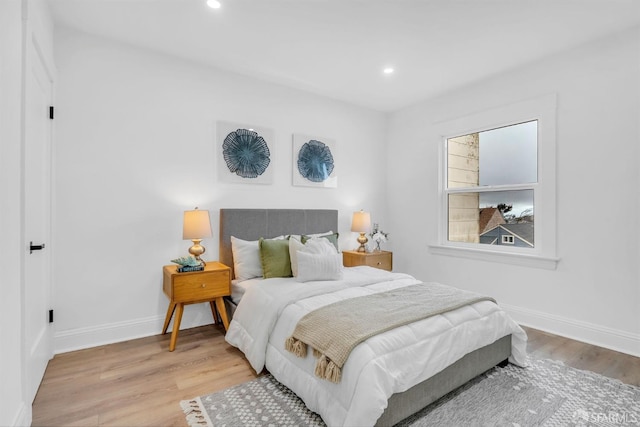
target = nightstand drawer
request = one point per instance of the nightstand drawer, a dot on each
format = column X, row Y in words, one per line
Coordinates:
column 201, row 286
column 382, row 261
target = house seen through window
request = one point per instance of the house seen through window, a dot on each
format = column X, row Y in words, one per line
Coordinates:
column 491, row 185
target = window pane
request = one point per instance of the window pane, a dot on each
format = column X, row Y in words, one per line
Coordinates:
column 493, row 218
column 502, row 156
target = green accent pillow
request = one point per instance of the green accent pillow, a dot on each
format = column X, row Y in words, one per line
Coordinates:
column 333, row 238
column 274, row 256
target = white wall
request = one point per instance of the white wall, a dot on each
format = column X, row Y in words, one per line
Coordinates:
column 13, row 409
column 594, row 295
column 135, row 148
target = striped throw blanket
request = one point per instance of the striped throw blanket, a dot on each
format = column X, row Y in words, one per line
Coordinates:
column 334, row 330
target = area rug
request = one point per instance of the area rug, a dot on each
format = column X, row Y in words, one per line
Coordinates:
column 547, row 393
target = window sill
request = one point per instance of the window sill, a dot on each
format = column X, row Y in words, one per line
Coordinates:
column 534, row 261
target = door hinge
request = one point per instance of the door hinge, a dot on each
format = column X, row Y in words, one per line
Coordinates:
column 51, row 112
column 50, row 316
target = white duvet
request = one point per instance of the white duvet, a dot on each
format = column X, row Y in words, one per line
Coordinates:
column 388, row 363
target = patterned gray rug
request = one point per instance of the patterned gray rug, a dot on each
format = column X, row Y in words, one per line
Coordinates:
column 547, row 393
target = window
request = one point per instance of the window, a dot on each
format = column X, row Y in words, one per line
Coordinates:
column 498, row 185
column 491, row 180
column 507, row 239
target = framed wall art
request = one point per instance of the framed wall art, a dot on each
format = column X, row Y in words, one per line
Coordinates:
column 314, row 162
column 245, row 153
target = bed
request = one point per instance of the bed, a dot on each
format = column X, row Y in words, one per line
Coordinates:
column 382, row 384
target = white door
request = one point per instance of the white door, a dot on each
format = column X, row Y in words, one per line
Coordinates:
column 37, row 210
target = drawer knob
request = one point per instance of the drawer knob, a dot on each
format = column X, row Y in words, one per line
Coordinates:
column 204, row 286
column 379, row 263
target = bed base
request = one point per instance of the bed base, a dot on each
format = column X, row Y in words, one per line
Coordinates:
column 418, row 397
column 403, row 405
column 251, row 224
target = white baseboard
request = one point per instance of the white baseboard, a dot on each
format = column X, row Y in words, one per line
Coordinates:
column 602, row 336
column 93, row 336
column 81, row 338
column 23, row 416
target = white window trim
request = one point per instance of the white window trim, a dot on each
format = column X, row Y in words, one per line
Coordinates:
column 542, row 109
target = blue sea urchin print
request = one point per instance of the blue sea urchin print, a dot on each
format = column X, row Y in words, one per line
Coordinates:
column 315, row 161
column 246, row 153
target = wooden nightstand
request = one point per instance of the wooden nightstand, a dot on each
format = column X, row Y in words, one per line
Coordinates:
column 210, row 284
column 382, row 259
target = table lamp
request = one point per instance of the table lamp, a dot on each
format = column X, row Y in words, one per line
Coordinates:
column 361, row 223
column 195, row 227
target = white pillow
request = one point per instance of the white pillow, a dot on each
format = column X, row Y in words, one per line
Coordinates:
column 319, row 245
column 246, row 259
column 299, row 236
column 319, row 266
column 294, row 246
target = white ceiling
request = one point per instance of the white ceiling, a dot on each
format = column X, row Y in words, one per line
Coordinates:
column 338, row 48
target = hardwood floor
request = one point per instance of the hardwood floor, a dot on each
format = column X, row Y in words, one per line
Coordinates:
column 139, row 382
column 609, row 363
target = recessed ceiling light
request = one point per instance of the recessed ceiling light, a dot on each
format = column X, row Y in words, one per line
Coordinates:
column 214, row 4
column 388, row 70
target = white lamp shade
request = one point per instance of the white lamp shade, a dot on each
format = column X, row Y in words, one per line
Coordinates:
column 361, row 222
column 196, row 225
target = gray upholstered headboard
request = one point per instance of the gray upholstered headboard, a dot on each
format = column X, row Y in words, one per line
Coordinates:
column 251, row 224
